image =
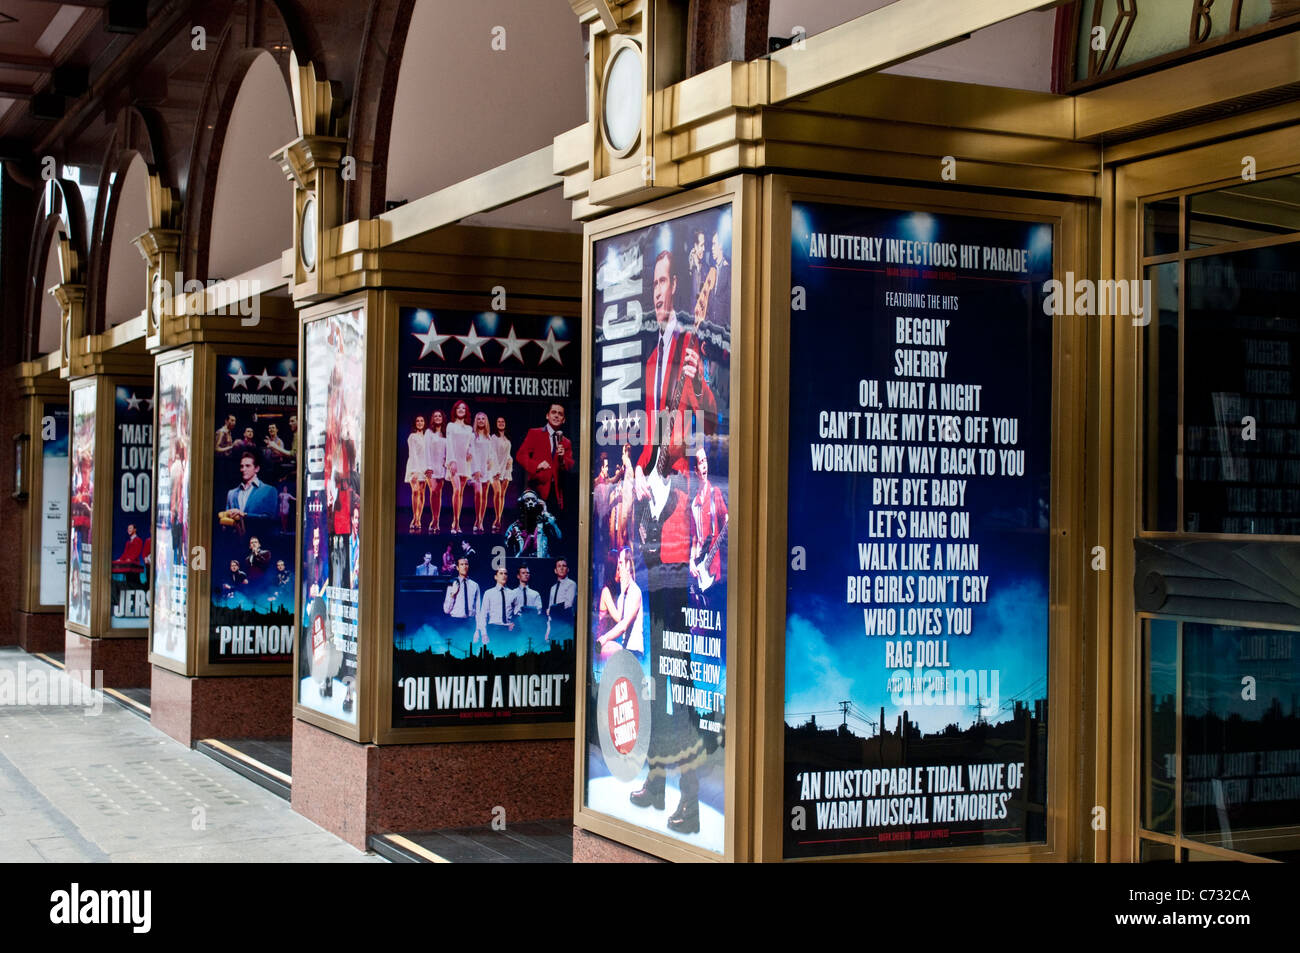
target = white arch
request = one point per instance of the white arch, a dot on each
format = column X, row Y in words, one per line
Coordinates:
column 462, row 107
column 124, row 291
column 252, row 211
column 47, row 334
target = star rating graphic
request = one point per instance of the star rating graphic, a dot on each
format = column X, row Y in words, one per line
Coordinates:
column 473, row 343
column 431, row 341
column 513, row 346
column 240, row 378
column 133, row 402
column 288, row 382
column 551, row 347
column 264, row 380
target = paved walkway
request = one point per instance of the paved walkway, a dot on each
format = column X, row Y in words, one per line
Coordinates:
column 81, row 786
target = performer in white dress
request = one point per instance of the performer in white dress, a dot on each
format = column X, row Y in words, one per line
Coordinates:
column 482, row 455
column 458, row 439
column 436, row 460
column 503, row 472
column 417, row 465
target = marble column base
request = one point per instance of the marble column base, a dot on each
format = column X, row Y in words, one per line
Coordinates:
column 38, row 631
column 589, row 848
column 124, row 661
column 355, row 790
column 215, row 706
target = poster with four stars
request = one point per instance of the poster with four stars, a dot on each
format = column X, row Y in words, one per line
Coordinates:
column 254, row 510
column 487, row 519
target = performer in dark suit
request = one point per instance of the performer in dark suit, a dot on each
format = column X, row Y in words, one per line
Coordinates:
column 546, row 456
column 675, row 358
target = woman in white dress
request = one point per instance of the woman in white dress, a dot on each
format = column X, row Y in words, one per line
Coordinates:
column 458, row 439
column 417, row 466
column 502, row 473
column 482, row 466
column 436, row 449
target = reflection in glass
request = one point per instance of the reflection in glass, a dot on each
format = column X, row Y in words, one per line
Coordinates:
column 1160, row 726
column 1151, row 852
column 1263, row 209
column 1241, row 432
column 1241, row 738
column 1160, row 227
column 1160, row 461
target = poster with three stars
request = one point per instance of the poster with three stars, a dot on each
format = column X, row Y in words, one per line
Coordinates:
column 487, row 519
column 255, row 507
column 133, row 482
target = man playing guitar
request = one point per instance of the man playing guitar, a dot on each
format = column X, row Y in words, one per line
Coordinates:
column 674, row 369
column 709, row 509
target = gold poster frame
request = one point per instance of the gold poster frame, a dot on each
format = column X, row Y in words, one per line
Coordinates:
column 172, row 665
column 96, row 531
column 1067, row 800
column 202, row 454
column 375, row 364
column 742, row 194
column 32, row 569
column 385, row 411
column 102, row 609
column 1129, row 186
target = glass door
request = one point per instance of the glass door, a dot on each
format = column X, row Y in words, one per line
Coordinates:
column 1217, row 560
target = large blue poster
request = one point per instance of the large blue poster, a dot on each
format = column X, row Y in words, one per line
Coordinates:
column 132, row 505
column 255, row 510
column 917, row 600
column 484, row 579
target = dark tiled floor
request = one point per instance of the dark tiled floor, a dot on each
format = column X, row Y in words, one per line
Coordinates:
column 535, row 842
column 273, row 752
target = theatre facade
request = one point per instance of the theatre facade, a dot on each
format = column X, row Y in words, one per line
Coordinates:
column 741, row 430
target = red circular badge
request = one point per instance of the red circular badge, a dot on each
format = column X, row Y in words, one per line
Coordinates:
column 624, row 715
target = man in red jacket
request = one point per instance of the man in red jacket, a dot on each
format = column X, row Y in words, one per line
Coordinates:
column 132, row 550
column 546, row 455
column 674, row 358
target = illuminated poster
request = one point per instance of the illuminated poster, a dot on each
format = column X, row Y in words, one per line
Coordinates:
column 917, row 600
column 171, row 551
column 487, row 519
column 255, row 510
column 656, row 685
column 333, row 422
column 133, row 486
column 54, row 505
column 81, row 503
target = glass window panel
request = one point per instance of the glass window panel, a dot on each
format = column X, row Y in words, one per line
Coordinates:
column 1160, row 461
column 1241, row 738
column 1160, row 227
column 1152, row 28
column 1160, row 726
column 1241, row 344
column 1252, row 210
column 1154, row 853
